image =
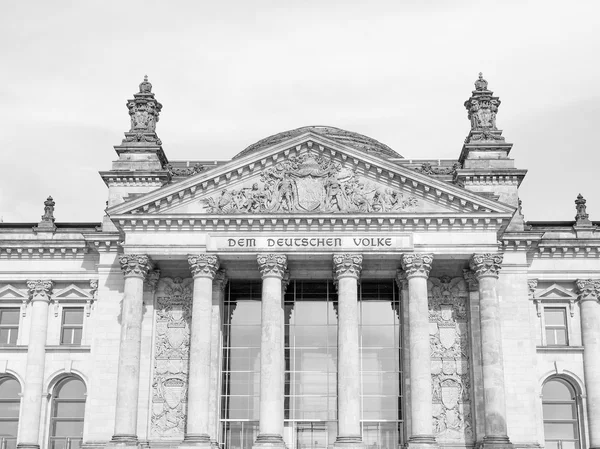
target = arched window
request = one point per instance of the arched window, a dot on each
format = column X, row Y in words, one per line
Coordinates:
column 10, row 401
column 561, row 426
column 66, row 419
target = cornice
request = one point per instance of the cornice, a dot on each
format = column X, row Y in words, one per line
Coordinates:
column 104, row 242
column 568, row 249
column 380, row 168
column 322, row 222
column 490, row 177
column 43, row 249
column 128, row 178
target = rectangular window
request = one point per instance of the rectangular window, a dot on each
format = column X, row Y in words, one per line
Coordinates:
column 72, row 326
column 556, row 326
column 9, row 326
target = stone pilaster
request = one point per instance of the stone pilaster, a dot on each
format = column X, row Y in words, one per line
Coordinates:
column 272, row 358
column 486, row 268
column 416, row 268
column 347, row 268
column 589, row 294
column 197, row 433
column 135, row 268
column 31, row 403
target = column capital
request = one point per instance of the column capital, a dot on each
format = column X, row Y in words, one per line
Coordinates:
column 347, row 265
column 221, row 279
column 135, row 265
column 272, row 265
column 417, row 264
column 588, row 289
column 471, row 280
column 40, row 290
column 486, row 265
column 401, row 279
column 203, row 265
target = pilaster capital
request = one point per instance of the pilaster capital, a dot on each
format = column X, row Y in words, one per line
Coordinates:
column 272, row 265
column 486, row 265
column 285, row 281
column 152, row 279
column 221, row 279
column 135, row 265
column 588, row 289
column 401, row 279
column 40, row 290
column 417, row 264
column 532, row 285
column 347, row 265
column 203, row 265
column 471, row 280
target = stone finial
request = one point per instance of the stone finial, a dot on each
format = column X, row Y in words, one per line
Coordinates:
column 203, row 265
column 135, row 265
column 48, row 210
column 347, row 265
column 144, row 112
column 588, row 289
column 272, row 265
column 40, row 289
column 486, row 265
column 417, row 265
column 582, row 217
column 482, row 108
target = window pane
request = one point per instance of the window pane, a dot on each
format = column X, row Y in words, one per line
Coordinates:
column 246, row 313
column 559, row 431
column 554, row 317
column 67, row 428
column 377, row 312
column 244, row 336
column 9, row 388
column 383, row 336
column 309, row 313
column 556, row 390
column 9, row 317
column 66, row 336
column 569, row 445
column 8, row 336
column 310, row 336
column 73, row 316
column 9, row 410
column 560, row 336
column 71, row 389
column 77, row 336
column 69, row 409
column 559, row 411
column 8, row 428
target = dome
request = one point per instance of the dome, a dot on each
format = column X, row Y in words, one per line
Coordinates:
column 354, row 140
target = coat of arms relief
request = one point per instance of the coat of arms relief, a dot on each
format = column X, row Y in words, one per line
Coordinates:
column 310, row 183
column 171, row 356
column 450, row 372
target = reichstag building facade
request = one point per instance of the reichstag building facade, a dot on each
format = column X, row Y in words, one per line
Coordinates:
column 317, row 291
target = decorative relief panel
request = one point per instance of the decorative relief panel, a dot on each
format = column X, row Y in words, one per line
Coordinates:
column 450, row 373
column 310, row 183
column 171, row 356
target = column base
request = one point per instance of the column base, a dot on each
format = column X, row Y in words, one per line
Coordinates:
column 269, row 440
column 123, row 442
column 349, row 442
column 421, row 442
column 496, row 442
column 196, row 441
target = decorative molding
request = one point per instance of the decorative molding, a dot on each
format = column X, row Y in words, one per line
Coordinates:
column 417, row 264
column 43, row 249
column 171, row 357
column 135, row 265
column 93, row 296
column 152, row 279
column 588, row 289
column 531, row 285
column 203, row 265
column 40, row 289
column 190, row 171
column 272, row 265
column 310, row 183
column 471, row 280
column 428, row 169
column 221, row 279
column 401, row 279
column 347, row 265
column 485, row 265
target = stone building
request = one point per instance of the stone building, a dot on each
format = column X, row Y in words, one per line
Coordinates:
column 317, row 290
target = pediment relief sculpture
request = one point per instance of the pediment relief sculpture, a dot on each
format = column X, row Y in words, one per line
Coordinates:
column 310, row 183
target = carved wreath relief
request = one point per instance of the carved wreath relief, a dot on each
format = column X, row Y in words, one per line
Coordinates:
column 171, row 355
column 309, row 183
column 450, row 377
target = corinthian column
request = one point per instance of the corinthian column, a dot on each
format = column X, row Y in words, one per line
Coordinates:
column 589, row 293
column 272, row 358
column 135, row 269
column 203, row 268
column 346, row 270
column 486, row 268
column 31, row 403
column 416, row 268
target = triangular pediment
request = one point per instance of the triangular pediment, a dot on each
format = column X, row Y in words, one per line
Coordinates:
column 8, row 293
column 72, row 292
column 555, row 291
column 310, row 174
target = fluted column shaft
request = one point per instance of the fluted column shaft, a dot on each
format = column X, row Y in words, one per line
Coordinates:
column 347, row 268
column 135, row 269
column 589, row 291
column 416, row 268
column 486, row 268
column 31, row 403
column 203, row 268
column 272, row 358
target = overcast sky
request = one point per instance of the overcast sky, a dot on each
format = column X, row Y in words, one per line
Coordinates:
column 229, row 73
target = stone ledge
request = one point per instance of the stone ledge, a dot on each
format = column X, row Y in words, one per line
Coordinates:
column 559, row 348
column 68, row 348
